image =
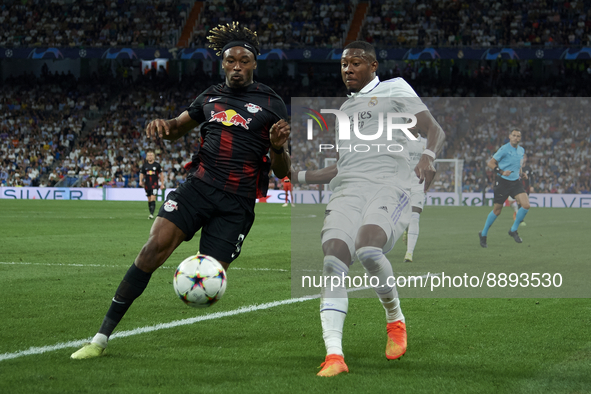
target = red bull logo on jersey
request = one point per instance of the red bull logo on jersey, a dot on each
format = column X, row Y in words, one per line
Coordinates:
column 230, row 118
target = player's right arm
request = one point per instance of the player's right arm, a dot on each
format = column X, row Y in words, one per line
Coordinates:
column 425, row 170
column 324, row 175
column 171, row 129
column 141, row 179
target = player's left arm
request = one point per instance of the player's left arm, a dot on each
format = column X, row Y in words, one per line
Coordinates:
column 280, row 159
column 429, row 127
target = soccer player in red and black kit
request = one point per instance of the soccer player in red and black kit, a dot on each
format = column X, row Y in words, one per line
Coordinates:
column 150, row 173
column 244, row 135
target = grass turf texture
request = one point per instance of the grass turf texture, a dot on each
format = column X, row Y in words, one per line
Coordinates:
column 455, row 345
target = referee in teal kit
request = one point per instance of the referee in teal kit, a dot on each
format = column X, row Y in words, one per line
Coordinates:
column 507, row 164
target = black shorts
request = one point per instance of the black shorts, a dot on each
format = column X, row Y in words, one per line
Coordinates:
column 225, row 218
column 151, row 192
column 504, row 188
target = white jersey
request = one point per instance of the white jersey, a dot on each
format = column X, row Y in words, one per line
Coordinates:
column 376, row 160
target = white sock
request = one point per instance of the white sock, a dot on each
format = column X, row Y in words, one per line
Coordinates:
column 376, row 264
column 100, row 340
column 332, row 329
column 514, row 206
column 334, row 304
column 413, row 232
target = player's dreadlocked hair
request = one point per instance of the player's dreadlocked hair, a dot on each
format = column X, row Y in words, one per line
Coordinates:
column 223, row 35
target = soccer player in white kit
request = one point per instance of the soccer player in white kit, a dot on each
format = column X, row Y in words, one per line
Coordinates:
column 417, row 194
column 370, row 206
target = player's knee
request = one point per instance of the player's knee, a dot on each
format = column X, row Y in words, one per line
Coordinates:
column 333, row 266
column 155, row 252
column 370, row 256
column 338, row 248
column 525, row 205
column 149, row 257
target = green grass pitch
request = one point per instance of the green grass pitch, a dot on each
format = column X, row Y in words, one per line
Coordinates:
column 61, row 262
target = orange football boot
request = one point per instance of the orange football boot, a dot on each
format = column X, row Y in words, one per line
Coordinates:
column 396, row 346
column 333, row 365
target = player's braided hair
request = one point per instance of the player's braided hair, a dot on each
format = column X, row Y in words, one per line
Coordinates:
column 222, row 35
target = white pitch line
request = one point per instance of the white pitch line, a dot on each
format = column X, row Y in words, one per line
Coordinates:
column 142, row 330
column 162, row 326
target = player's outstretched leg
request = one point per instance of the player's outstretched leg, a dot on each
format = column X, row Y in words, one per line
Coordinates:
column 376, row 264
column 164, row 238
column 334, row 304
column 131, row 287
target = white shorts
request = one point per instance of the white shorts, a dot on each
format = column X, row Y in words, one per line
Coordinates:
column 351, row 208
column 417, row 193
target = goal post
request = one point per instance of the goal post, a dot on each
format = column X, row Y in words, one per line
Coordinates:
column 449, row 178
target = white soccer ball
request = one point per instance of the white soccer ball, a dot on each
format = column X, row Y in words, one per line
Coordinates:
column 200, row 281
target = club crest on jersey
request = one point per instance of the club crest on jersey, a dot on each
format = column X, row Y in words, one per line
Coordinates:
column 373, row 102
column 230, row 118
column 253, row 108
column 171, row 205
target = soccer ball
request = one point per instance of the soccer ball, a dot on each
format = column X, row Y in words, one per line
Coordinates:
column 200, row 281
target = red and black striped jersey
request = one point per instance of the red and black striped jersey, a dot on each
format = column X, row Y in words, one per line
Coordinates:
column 235, row 137
column 151, row 174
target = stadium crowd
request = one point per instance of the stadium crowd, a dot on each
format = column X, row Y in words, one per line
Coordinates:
column 91, row 23
column 279, row 24
column 40, row 122
column 55, row 130
column 478, row 23
column 44, row 141
column 297, row 24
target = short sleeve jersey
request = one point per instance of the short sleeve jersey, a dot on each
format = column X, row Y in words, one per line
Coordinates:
column 151, row 174
column 373, row 153
column 235, row 137
column 509, row 159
